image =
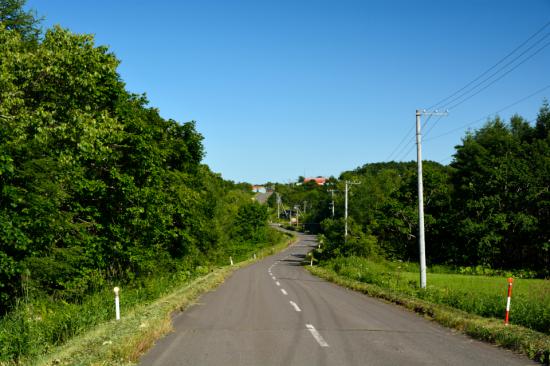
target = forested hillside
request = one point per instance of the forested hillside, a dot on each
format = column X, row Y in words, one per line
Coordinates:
column 96, row 188
column 490, row 207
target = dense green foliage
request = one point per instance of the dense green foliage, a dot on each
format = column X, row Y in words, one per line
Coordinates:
column 489, row 207
column 14, row 17
column 95, row 186
column 96, row 190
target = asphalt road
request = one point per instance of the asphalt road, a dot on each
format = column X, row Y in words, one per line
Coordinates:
column 263, row 197
column 275, row 313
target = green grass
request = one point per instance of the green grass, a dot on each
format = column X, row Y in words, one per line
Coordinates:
column 481, row 295
column 55, row 330
column 472, row 304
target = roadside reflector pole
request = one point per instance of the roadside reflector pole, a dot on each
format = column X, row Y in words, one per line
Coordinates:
column 117, row 304
column 510, row 280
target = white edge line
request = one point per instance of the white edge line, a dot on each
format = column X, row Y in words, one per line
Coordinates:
column 316, row 335
column 295, row 306
column 284, row 291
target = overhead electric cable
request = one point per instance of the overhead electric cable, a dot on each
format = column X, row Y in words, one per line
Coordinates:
column 432, row 126
column 492, row 67
column 399, row 154
column 426, row 122
column 407, row 152
column 401, row 142
column 463, row 94
column 498, row 78
column 492, row 114
column 400, row 147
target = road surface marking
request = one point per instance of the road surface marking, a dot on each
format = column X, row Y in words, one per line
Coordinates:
column 316, row 335
column 283, row 291
column 274, row 278
column 278, row 284
column 295, row 306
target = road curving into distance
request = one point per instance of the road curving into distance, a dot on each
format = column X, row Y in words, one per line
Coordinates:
column 274, row 312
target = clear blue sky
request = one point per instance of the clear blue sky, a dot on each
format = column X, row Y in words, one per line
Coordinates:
column 287, row 88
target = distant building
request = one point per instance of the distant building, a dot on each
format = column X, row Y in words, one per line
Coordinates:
column 258, row 189
column 319, row 180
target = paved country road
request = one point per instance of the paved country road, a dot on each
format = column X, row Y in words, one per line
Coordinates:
column 275, row 313
column 263, row 197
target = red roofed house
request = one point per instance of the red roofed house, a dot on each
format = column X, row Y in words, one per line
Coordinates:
column 319, row 180
column 258, row 189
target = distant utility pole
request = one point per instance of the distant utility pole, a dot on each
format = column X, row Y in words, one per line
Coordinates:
column 421, row 240
column 348, row 183
column 332, row 197
column 278, row 205
column 290, row 216
column 297, row 208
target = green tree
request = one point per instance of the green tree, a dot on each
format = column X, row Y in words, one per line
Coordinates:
column 14, row 17
column 501, row 181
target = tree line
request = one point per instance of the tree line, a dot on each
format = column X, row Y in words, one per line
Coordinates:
column 95, row 186
column 489, row 207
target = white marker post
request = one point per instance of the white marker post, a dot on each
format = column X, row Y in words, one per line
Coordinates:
column 117, row 303
column 254, row 255
column 231, row 260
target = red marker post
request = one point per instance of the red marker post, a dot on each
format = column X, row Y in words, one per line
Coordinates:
column 510, row 280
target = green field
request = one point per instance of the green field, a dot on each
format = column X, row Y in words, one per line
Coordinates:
column 481, row 295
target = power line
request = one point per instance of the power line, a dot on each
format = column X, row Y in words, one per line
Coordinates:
column 407, row 153
column 411, row 143
column 446, row 159
column 432, row 126
column 489, row 115
column 400, row 147
column 404, row 147
column 463, row 93
column 492, row 67
column 426, row 121
column 463, row 97
column 409, row 132
column 498, row 78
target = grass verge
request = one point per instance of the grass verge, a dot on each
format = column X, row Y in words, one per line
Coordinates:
column 123, row 342
column 533, row 344
column 475, row 294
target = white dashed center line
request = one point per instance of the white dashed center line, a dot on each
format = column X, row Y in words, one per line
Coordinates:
column 295, row 306
column 316, row 335
column 284, row 292
column 277, row 283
